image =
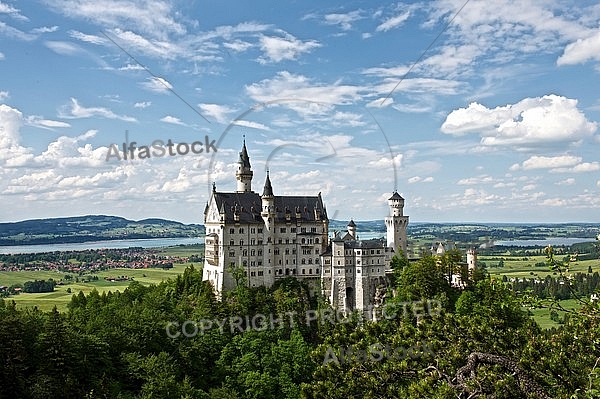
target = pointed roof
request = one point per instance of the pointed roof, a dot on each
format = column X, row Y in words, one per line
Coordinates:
column 268, row 190
column 244, row 158
column 351, row 224
column 395, row 196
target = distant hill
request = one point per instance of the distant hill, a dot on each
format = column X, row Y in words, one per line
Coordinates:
column 92, row 228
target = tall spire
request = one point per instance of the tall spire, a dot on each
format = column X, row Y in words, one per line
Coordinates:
column 268, row 190
column 244, row 171
column 244, row 158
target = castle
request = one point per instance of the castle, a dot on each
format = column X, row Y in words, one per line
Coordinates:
column 271, row 237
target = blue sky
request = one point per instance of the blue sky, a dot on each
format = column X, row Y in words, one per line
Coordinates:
column 497, row 122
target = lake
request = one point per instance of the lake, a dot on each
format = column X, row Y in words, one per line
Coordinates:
column 554, row 241
column 112, row 244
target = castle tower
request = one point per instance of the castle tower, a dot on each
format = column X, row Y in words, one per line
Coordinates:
column 352, row 229
column 396, row 223
column 244, row 172
column 268, row 215
column 471, row 260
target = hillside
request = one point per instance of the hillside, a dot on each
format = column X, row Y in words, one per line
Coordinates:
column 92, row 228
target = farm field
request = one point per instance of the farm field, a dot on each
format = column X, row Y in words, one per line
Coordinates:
column 61, row 297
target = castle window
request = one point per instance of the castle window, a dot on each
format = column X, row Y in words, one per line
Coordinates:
column 245, row 252
column 253, row 230
column 252, row 263
column 303, row 241
column 316, row 261
column 294, row 271
column 241, row 231
column 316, row 240
column 378, row 251
column 303, row 271
column 280, row 241
column 303, row 261
column 326, row 271
column 358, row 261
column 313, row 229
column 241, row 243
column 232, row 264
column 293, row 229
column 303, row 229
column 358, row 271
column 231, row 231
column 282, row 230
column 287, row 251
column 286, row 261
column 339, row 271
column 280, row 261
column 252, row 274
column 252, row 252
column 338, row 262
column 269, row 272
column 287, row 240
column 317, row 271
column 231, row 253
column 358, row 252
column 231, row 242
column 276, row 251
column 260, row 262
column 260, row 252
column 259, row 230
column 252, row 241
column 372, row 252
column 309, row 261
column 309, row 271
column 293, row 251
column 260, row 272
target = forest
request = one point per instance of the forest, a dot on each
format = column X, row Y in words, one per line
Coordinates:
column 480, row 344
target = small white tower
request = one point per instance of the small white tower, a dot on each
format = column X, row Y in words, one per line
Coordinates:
column 396, row 223
column 471, row 260
column 244, row 172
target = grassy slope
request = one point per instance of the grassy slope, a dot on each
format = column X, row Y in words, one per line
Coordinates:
column 60, row 297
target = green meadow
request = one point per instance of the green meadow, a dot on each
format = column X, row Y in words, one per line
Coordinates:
column 61, row 295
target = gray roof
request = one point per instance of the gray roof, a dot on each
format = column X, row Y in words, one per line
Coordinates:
column 249, row 204
column 244, row 158
column 268, row 189
column 395, row 196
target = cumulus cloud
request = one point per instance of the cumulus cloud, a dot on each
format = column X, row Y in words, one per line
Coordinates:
column 173, row 120
column 539, row 120
column 581, row 51
column 219, row 112
column 277, row 49
column 343, row 20
column 557, row 164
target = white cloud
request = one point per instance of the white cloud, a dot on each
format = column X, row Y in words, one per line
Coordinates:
column 238, row 45
column 484, row 179
column 74, row 110
column 278, row 49
column 419, row 179
column 581, row 51
column 393, row 22
column 547, row 119
column 558, row 164
column 154, row 17
column 2, row 56
column 3, row 95
column 63, row 48
column 45, row 123
column 173, row 120
column 45, row 29
column 12, row 11
column 298, row 92
column 566, row 182
column 87, row 38
column 250, row 124
column 142, row 104
column 157, row 85
column 16, row 33
column 219, row 112
column 542, row 162
column 343, row 20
